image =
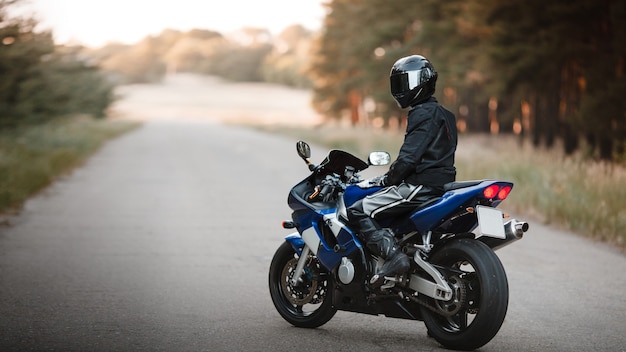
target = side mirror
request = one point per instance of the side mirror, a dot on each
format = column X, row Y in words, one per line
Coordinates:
column 304, row 150
column 379, row 158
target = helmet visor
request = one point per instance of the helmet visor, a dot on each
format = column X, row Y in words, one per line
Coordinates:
column 406, row 81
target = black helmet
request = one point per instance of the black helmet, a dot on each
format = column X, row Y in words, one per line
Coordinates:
column 412, row 80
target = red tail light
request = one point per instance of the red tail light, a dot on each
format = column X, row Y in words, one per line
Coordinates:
column 497, row 192
column 504, row 192
column 491, row 191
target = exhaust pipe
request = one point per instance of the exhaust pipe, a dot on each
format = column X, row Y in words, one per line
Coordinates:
column 513, row 230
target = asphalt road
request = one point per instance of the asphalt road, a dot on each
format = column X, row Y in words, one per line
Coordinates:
column 162, row 242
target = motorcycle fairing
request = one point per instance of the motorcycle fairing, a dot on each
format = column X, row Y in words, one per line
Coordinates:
column 336, row 160
column 329, row 254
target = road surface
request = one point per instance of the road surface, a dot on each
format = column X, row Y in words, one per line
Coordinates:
column 162, row 242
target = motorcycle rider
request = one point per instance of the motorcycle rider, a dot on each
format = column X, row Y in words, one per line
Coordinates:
column 424, row 164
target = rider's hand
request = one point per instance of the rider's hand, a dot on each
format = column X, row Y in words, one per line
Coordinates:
column 378, row 181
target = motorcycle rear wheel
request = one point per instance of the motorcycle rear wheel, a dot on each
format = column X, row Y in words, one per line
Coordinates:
column 307, row 304
column 480, row 299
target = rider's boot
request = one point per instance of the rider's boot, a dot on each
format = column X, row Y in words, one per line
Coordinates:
column 381, row 242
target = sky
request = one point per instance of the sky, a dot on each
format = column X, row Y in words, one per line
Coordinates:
column 96, row 22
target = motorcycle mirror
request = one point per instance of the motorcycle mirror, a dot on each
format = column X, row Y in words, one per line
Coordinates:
column 304, row 151
column 379, row 158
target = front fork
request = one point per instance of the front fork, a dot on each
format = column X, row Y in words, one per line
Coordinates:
column 304, row 257
column 303, row 251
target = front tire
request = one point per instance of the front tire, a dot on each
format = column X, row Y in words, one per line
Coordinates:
column 480, row 299
column 307, row 304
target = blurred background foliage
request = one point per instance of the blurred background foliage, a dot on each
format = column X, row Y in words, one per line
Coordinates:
column 248, row 55
column 550, row 72
column 41, row 81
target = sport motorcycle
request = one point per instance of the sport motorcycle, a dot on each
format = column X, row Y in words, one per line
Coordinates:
column 456, row 285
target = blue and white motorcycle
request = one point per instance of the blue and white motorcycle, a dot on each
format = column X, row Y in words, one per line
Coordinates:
column 456, row 285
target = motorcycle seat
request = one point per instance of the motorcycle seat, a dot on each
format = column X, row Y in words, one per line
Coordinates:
column 456, row 185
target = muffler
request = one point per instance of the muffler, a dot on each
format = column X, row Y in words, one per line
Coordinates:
column 513, row 230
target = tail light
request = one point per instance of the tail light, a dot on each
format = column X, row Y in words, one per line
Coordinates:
column 491, row 191
column 504, row 192
column 497, row 192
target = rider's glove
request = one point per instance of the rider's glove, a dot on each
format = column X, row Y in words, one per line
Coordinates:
column 378, row 181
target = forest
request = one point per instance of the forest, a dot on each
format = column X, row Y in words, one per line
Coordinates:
column 550, row 72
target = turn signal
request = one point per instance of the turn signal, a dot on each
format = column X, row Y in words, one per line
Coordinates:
column 288, row 224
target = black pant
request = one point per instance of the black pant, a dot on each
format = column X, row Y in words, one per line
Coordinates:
column 392, row 201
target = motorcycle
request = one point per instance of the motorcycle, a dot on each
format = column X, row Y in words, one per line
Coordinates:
column 456, row 285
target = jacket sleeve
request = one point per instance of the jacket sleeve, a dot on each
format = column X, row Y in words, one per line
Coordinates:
column 421, row 130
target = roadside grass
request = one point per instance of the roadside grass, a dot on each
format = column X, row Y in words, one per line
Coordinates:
column 31, row 157
column 572, row 192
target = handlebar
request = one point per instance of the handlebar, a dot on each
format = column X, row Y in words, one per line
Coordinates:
column 326, row 188
column 325, row 191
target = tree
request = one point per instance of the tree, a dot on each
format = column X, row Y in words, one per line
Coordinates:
column 286, row 63
column 565, row 59
column 21, row 53
column 41, row 81
column 332, row 66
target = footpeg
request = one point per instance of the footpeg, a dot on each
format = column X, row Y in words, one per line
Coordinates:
column 376, row 281
column 382, row 282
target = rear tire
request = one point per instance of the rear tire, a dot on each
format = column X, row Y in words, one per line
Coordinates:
column 480, row 300
column 307, row 304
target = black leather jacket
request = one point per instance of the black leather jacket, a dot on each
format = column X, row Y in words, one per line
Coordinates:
column 427, row 154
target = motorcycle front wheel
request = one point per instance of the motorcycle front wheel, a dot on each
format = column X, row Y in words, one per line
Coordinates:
column 308, row 303
column 476, row 311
